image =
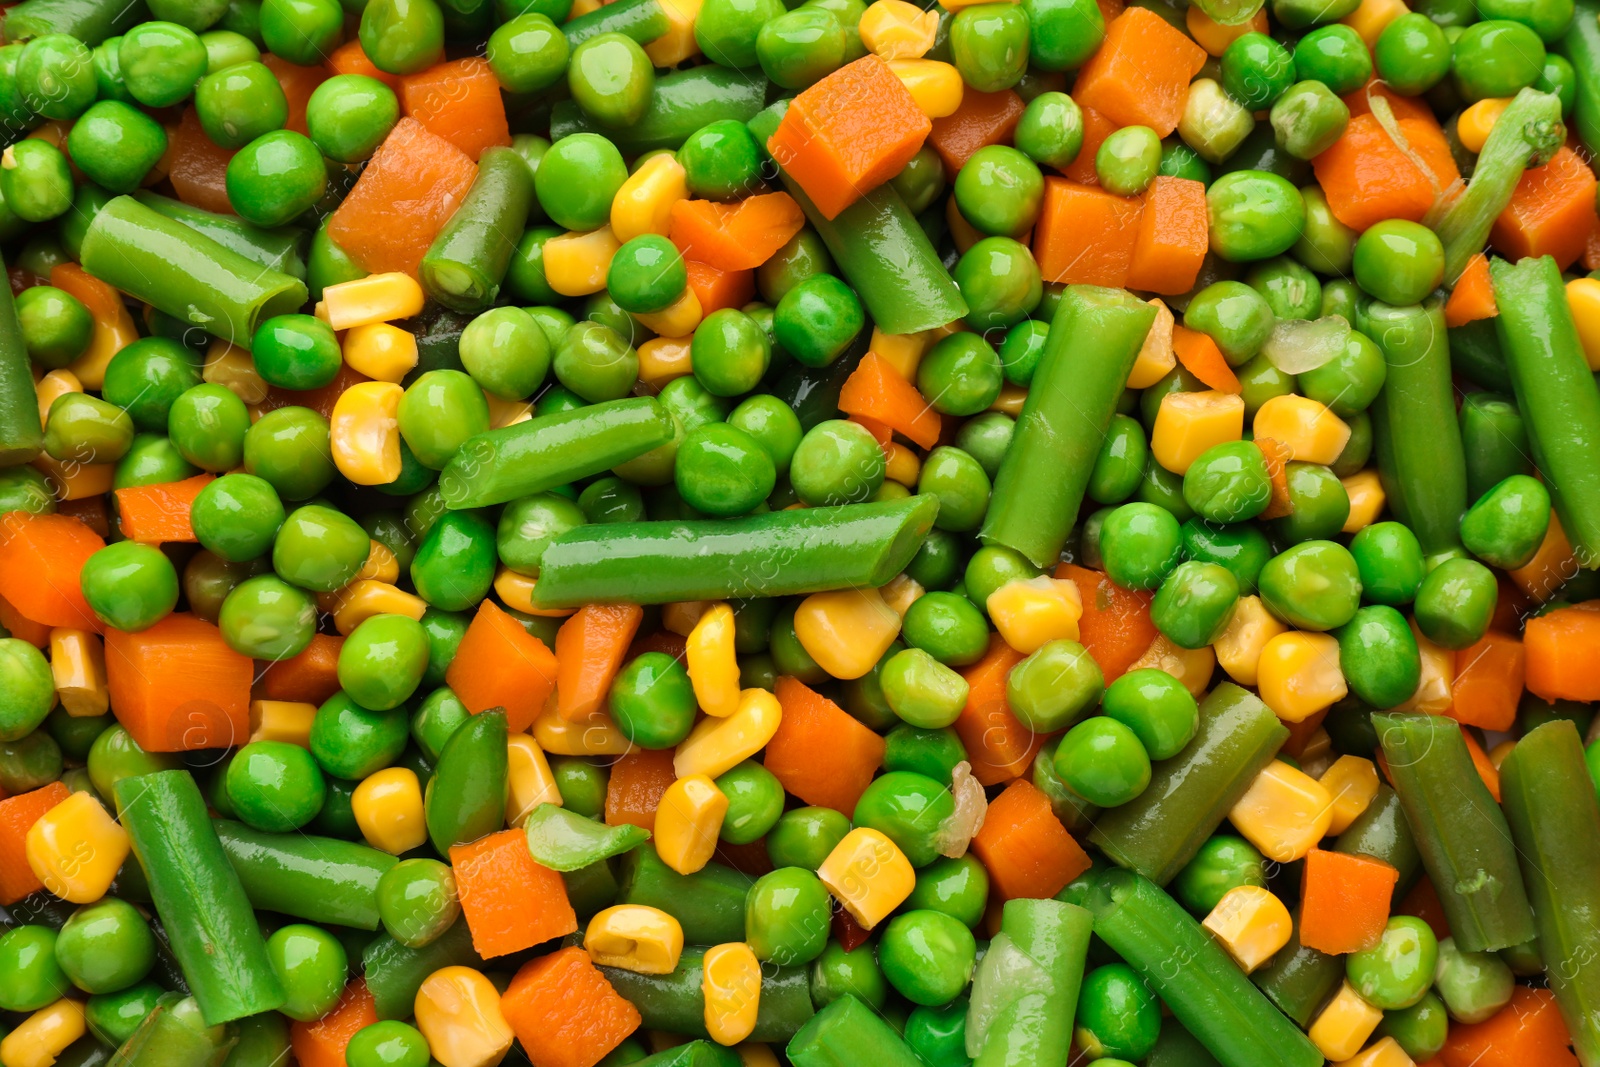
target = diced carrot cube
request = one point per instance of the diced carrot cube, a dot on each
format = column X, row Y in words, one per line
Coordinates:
column 982, row 119
column 460, row 101
column 1367, row 177
column 1173, row 236
column 1140, row 75
column 41, row 557
column 322, row 1043
column 1344, row 901
column 1024, row 847
column 1096, row 128
column 157, row 513
column 197, row 166
column 17, row 816
column 298, row 83
column 998, row 746
column 1085, row 236
column 500, row 665
column 735, row 237
column 1551, row 212
column 565, row 1012
column 1473, row 296
column 876, row 391
column 821, row 753
column 1115, row 628
column 1488, row 682
column 351, row 58
column 639, row 779
column 509, row 900
column 310, row 677
column 717, row 289
column 178, row 687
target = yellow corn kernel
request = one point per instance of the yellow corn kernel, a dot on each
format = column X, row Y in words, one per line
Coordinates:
column 1156, row 356
column 754, row 1054
column 1352, row 782
column 846, row 630
column 360, row 600
column 44, row 1035
column 381, row 564
column 1284, row 813
column 662, row 359
column 458, row 1011
column 902, row 465
column 715, row 746
column 1498, row 753
column 516, row 592
column 375, row 298
column 56, row 383
column 688, row 820
column 644, row 203
column 1318, row 749
column 636, row 938
column 1583, row 297
column 388, row 809
column 1550, row 567
column 232, row 368
column 282, row 720
column 1432, row 694
column 1247, row 633
column 54, row 132
column 382, row 352
column 678, row 43
column 868, row 874
column 503, row 413
column 894, row 29
column 529, row 782
column 1011, row 399
column 1251, row 923
column 713, row 667
column 1191, row 666
column 75, row 481
column 731, row 985
column 1215, row 37
column 1370, row 19
column 1298, row 675
column 1312, row 433
column 1344, row 1025
column 962, row 233
column 902, row 351
column 594, row 736
column 900, row 592
column 575, row 264
column 678, row 320
column 113, row 331
column 1474, row 124
column 75, row 849
column 682, row 616
column 1367, row 499
column 1385, row 1052
column 78, row 664
column 364, row 433
column 1032, row 612
column 936, row 87
column 1189, row 423
column 583, row 7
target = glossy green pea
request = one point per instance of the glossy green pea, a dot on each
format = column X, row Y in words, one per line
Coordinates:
column 1507, row 525
column 390, row 1043
column 726, row 30
column 116, row 145
column 439, row 412
column 1232, row 314
column 76, row 736
column 1051, row 129
column 160, row 62
column 525, row 281
column 1307, row 119
column 1411, row 54
column 1379, row 656
column 351, row 742
column 529, row 53
column 1227, row 483
column 1000, row 281
column 227, row 48
column 755, row 800
column 349, row 115
column 1558, row 77
column 276, row 177
column 337, row 817
column 237, row 517
column 837, row 462
column 986, row 437
column 801, row 47
column 786, row 916
column 1455, row 603
column 146, row 378
column 611, row 499
column 729, row 353
column 382, row 661
column 109, row 83
column 1118, row 1016
column 1288, row 287
column 987, row 569
column 611, row 79
column 455, row 563
column 862, row 697
column 1156, row 707
column 1256, row 70
column 505, row 352
column 1343, row 297
column 528, row 525
column 1055, row 686
column 1195, row 603
column 934, row 753
column 999, row 190
column 267, row 618
column 30, row 977
column 927, row 956
column 1103, row 761
column 955, row 887
column 1399, row 262
column 290, row 448
column 652, row 701
column 29, row 691
column 1313, row 586
column 85, row 429
column 296, row 352
column 817, row 319
column 115, row 755
column 240, row 103
column 1178, row 160
column 1357, row 449
column 417, row 901
column 319, row 548
column 921, row 181
column 1326, row 245
column 1496, row 58
column 961, row 375
column 311, row 965
column 803, row 837
column 113, row 1017
column 1548, row 18
column 1164, row 490
column 1390, row 563
column 1062, row 34
column 30, row 763
column 302, row 31
column 129, row 585
column 275, row 786
column 647, row 275
column 1254, row 215
column 921, row 690
column 722, row 161
column 1318, row 502
column 1224, row 863
column 437, row 717
column 939, row 562
column 989, row 45
column 908, row 808
column 577, row 180
column 582, row 785
column 802, row 257
column 723, row 471
column 26, row 489
column 1140, row 545
column 402, row 36
column 56, row 327
column 35, row 180
column 1128, row 160
column 1022, row 349
column 773, row 424
column 1348, row 383
column 595, row 362
column 1259, row 381
column 1397, row 971
column 1473, row 985
column 208, row 579
column 948, row 627
column 55, row 76
column 836, row 973
column 1420, row 1030
column 961, row 486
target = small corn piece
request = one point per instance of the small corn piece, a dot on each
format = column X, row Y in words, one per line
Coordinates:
column 644, row 203
column 636, row 938
column 894, row 29
column 375, row 298
column 1367, row 499
column 1032, row 612
column 712, row 663
column 44, row 1035
column 716, row 746
column 1156, row 356
column 730, row 981
column 662, row 359
column 1498, row 753
column 1344, row 1025
column 76, row 849
column 288, row 721
column 1251, row 924
column 583, row 7
column 234, row 369
column 388, row 809
column 868, row 874
column 78, row 665
column 1475, row 122
column 1299, row 675
column 1312, row 433
column 1372, row 17
column 458, row 1011
column 901, row 464
column 678, row 43
column 529, row 781
column 1583, row 297
column 678, row 320
column 1385, row 1052
column 1215, row 37
column 1247, row 633
column 597, row 736
column 575, row 264
column 1284, row 813
column 900, row 592
column 682, row 616
column 847, row 630
column 1189, row 423
column 516, row 592
column 364, row 433
column 754, row 1054
column 1191, row 666
column 360, row 601
column 382, row 352
column 503, row 413
column 902, row 351
column 75, row 481
column 57, row 383
column 1352, row 782
column 1433, row 695
column 936, row 87
column 381, row 566
column 688, row 821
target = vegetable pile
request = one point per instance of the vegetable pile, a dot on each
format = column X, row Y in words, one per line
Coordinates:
column 733, row 533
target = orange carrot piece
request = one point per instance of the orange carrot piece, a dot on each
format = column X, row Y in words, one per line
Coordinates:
column 881, row 431
column 1422, row 902
column 21, row 627
column 1277, row 456
column 717, row 289
column 1480, row 761
column 1301, row 733
column 639, row 779
column 310, row 677
column 1115, row 627
column 196, row 166
column 876, row 391
column 1402, row 107
column 351, row 58
column 1174, row 234
column 510, row 901
column 1202, row 358
column 178, row 687
column 1591, row 248
column 1472, row 298
column 459, row 101
column 1488, row 682
column 1024, row 847
column 590, row 647
column 1368, row 178
column 734, row 237
column 40, row 559
column 1085, row 235
column 1344, row 901
column 113, row 326
column 17, row 816
column 1527, row 1031
column 1140, row 74
column 565, row 1012
column 837, row 145
column 821, row 753
column 322, row 1043
column 998, row 746
column 500, row 665
column 298, row 83
column 408, row 191
column 157, row 513
column 982, row 119
column 1551, row 212
column 1096, row 128
column 1560, row 650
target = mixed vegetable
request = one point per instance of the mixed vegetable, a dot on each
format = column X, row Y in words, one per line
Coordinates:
column 702, row 533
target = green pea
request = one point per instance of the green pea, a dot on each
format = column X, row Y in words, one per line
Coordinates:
column 529, row 53
column 652, row 701
column 1194, row 604
column 319, row 548
column 1313, row 586
column 908, row 808
column 1420, row 1030
column 755, row 800
column 275, row 786
column 1223, row 864
column 611, row 500
column 382, row 661
column 988, row 569
column 237, row 517
column 961, row 375
column 227, row 48
column 146, row 378
column 1117, row 1014
column 1496, row 58
column 803, row 837
column 56, row 327
column 961, row 486
column 402, row 36
column 1254, row 215
column 921, row 181
column 1256, row 70
column 948, row 627
column 437, row 717
column 1307, row 119
column 1390, row 563
column 208, row 579
column 1357, row 449
column 1140, row 545
column 1103, row 761
column 29, row 691
column 349, row 115
column 129, row 585
column 1055, row 686
column 837, row 462
column 85, row 429
column 390, row 1043
column 1507, row 525
column 999, row 190
column 311, row 964
column 351, row 742
column 1063, row 34
column 729, row 353
column 939, row 562
column 1156, row 707
column 1022, row 349
column 1558, row 77
column 1000, row 281
column 934, row 753
column 722, row 161
column 1411, row 54
column 594, row 362
column 276, row 177
column 1290, row 290
column 528, row 525
column 267, row 618
column 726, row 30
column 35, row 180
column 290, row 448
column 1051, row 129
column 31, row 763
column 577, row 180
column 801, row 47
column 927, row 956
column 76, row 736
column 296, row 352
column 240, row 103
column 989, row 45
column 26, row 489
column 454, row 565
column 115, row 755
column 1227, row 483
column 1235, row 316
column 1379, row 656
column 837, row 973
column 921, row 690
column 1348, row 383
column 1456, row 602
column 1319, row 505
column 160, row 62
column 113, row 1017
column 417, row 901
column 817, row 320
column 611, row 79
column 439, row 412
column 1128, row 160
column 506, row 353
column 773, row 424
column 116, row 145
column 30, row 977
column 55, row 76
column 647, row 275
column 1397, row 971
column 723, row 471
column 1326, row 245
column 786, row 916
column 1399, row 262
